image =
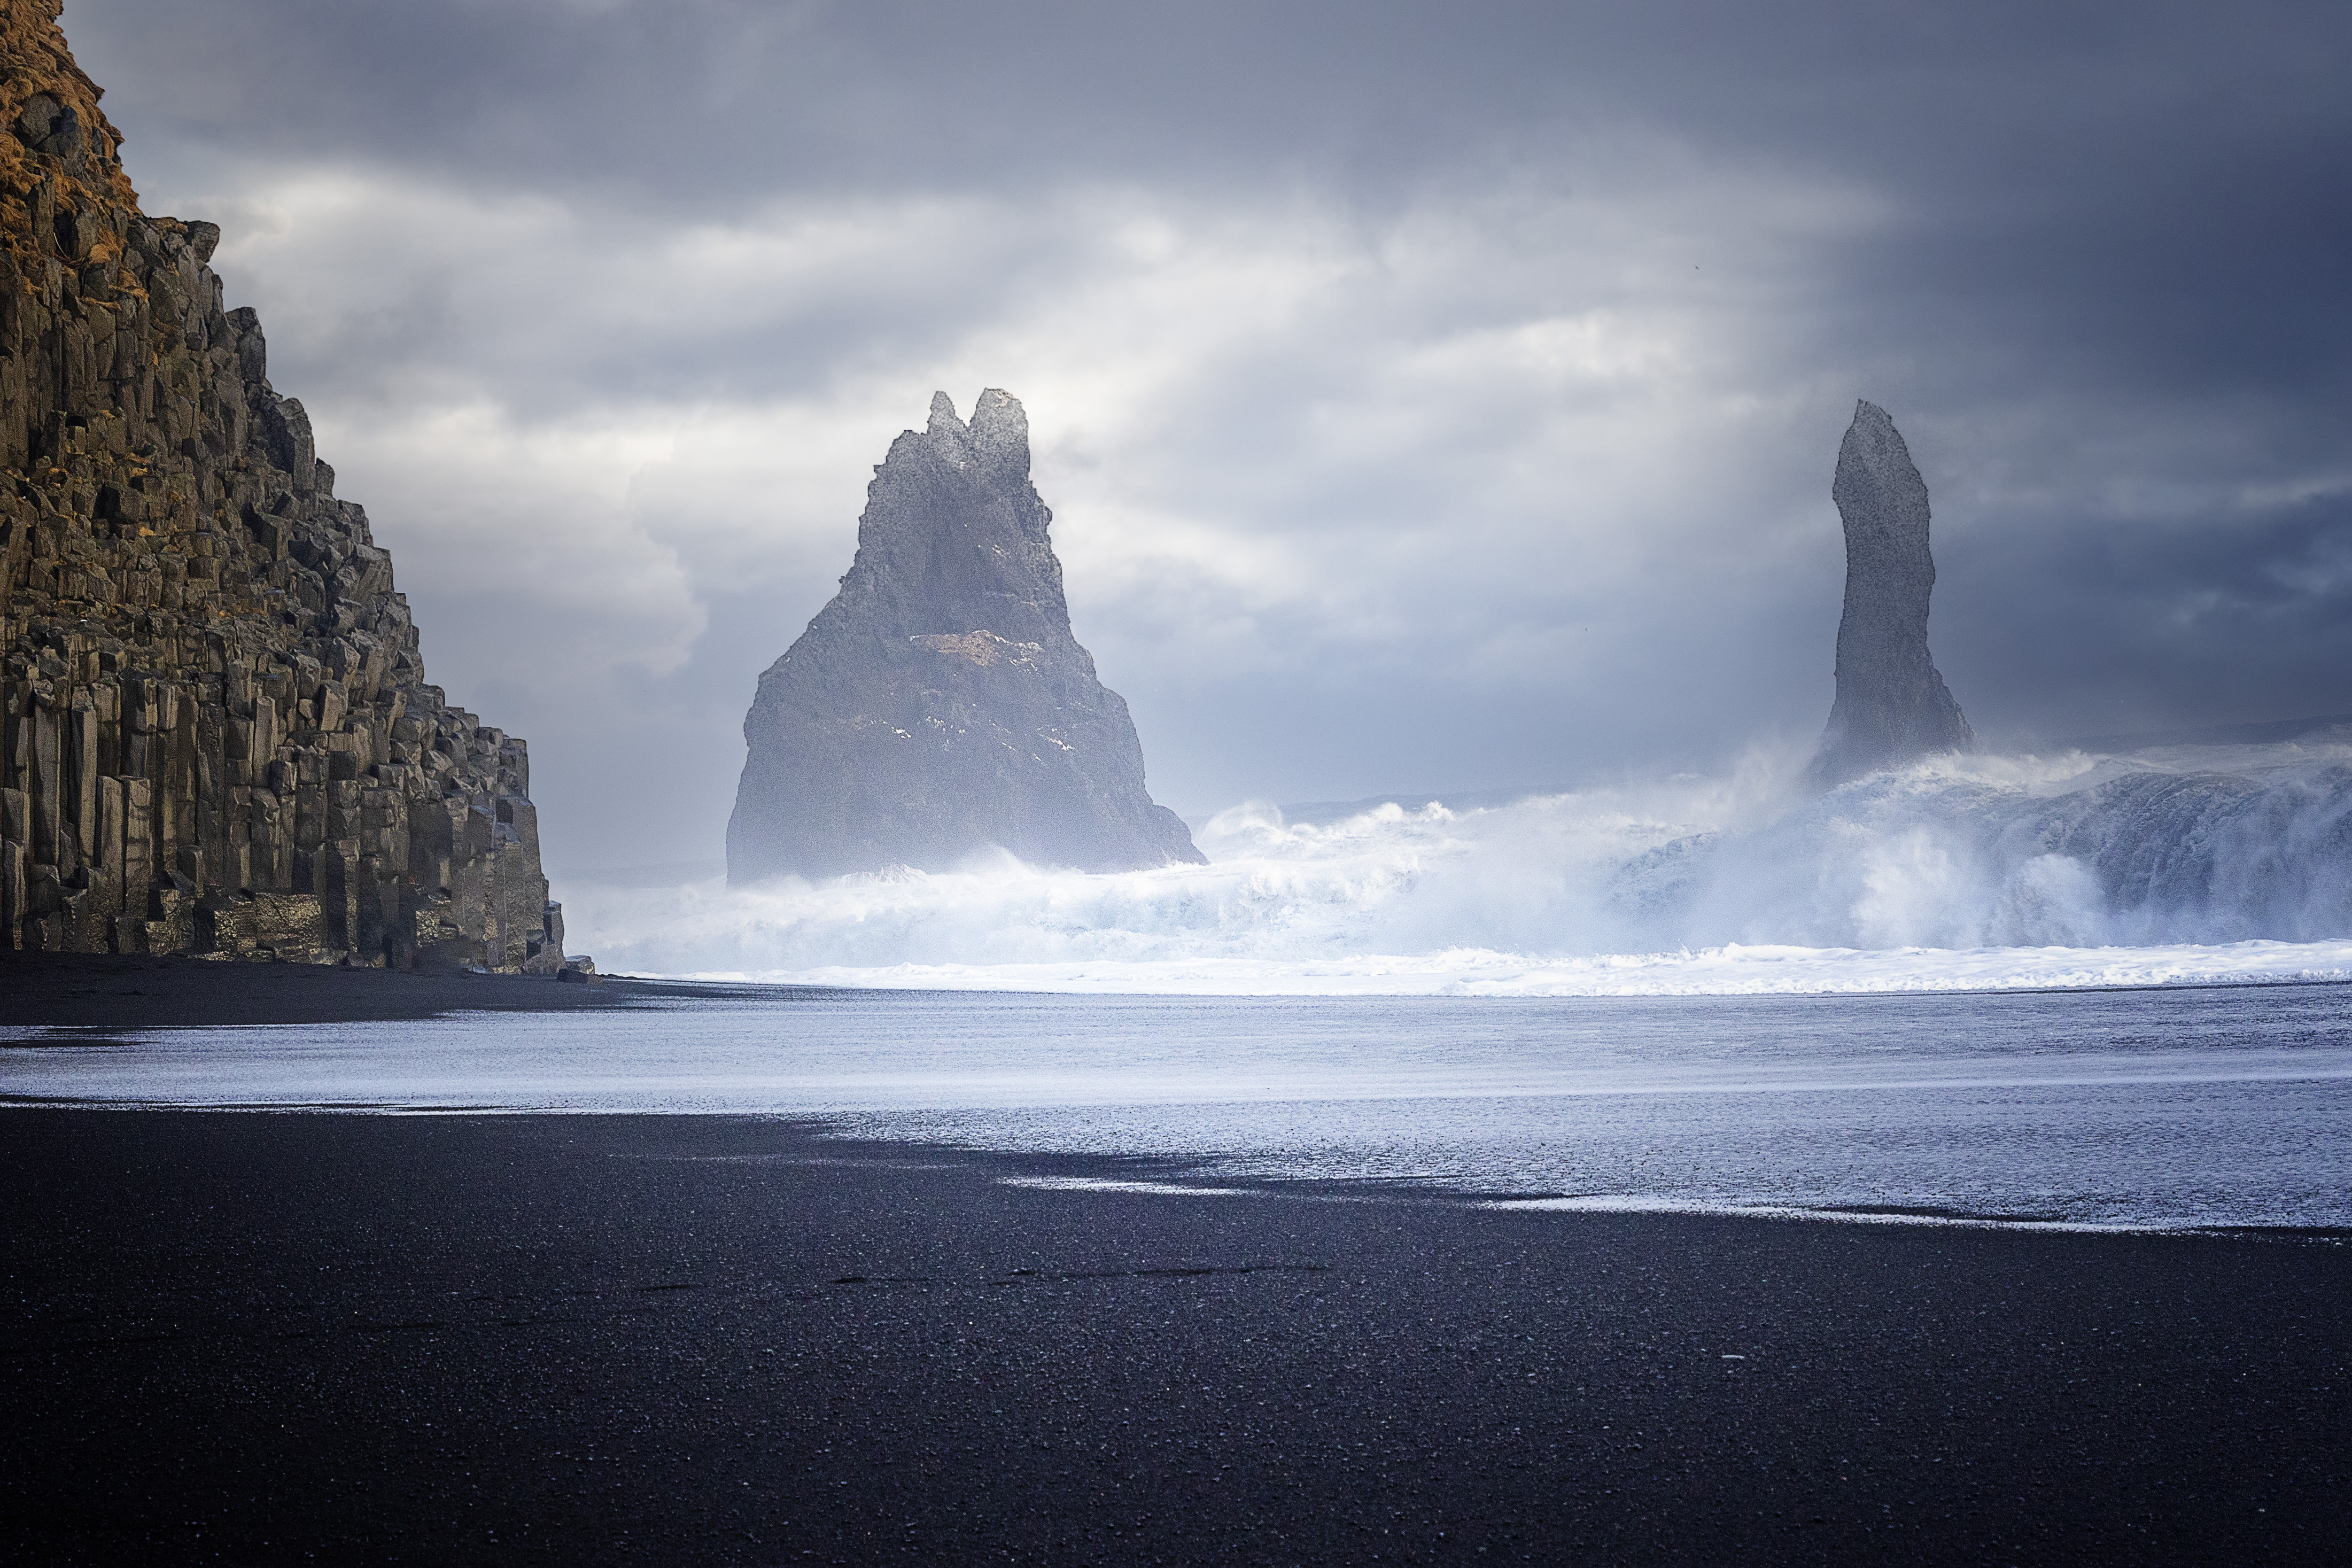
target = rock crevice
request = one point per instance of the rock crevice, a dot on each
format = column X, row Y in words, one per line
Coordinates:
column 217, row 736
column 940, row 705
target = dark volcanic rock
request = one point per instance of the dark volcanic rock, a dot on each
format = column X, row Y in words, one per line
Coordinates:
column 1892, row 706
column 940, row 705
column 214, row 731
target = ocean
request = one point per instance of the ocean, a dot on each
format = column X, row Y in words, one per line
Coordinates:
column 2166, row 1107
column 2080, row 990
column 2195, row 864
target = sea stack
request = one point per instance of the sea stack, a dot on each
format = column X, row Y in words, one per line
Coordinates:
column 216, row 735
column 1892, row 706
column 939, row 706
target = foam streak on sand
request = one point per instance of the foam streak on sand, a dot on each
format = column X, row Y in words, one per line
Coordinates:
column 2201, row 866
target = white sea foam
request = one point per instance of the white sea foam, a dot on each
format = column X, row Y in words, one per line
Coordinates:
column 2196, row 866
column 1733, row 970
column 1106, row 1184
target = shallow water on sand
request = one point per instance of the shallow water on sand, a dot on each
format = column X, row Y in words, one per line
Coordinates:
column 2160, row 1108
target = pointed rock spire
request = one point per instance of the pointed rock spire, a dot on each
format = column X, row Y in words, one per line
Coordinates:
column 1000, row 435
column 1892, row 705
column 940, row 705
column 948, row 433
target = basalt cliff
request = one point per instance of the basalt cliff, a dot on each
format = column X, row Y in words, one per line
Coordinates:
column 217, row 735
column 940, row 705
column 1892, row 706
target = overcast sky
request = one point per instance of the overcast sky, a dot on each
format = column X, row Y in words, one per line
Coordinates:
column 1428, row 396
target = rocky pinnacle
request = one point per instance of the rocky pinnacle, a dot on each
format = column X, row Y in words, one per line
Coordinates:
column 1892, row 706
column 939, row 706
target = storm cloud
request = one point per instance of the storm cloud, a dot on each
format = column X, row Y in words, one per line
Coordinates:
column 1428, row 397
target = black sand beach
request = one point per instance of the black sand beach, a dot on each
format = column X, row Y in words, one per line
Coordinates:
column 259, row 1338
column 92, row 990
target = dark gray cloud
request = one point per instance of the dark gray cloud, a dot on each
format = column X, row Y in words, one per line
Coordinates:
column 2002, row 105
column 1432, row 396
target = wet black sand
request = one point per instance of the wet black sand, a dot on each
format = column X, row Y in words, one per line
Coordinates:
column 268, row 1338
column 94, row 991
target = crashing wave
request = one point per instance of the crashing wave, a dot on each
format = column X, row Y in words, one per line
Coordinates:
column 1944, row 859
column 1980, row 871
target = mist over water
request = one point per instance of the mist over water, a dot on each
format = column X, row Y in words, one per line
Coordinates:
column 2195, row 863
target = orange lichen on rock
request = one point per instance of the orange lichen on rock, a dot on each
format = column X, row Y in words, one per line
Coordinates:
column 36, row 64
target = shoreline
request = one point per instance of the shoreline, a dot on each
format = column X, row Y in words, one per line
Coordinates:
column 102, row 992
column 1179, row 1176
column 550, row 1337
column 743, row 979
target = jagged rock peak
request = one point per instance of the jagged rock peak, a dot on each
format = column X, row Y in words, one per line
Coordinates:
column 1892, row 706
column 1000, row 435
column 996, row 441
column 216, row 734
column 950, row 435
column 940, row 706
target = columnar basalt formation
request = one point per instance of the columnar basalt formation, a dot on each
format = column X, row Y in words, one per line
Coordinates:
column 939, row 705
column 217, row 736
column 1892, row 706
